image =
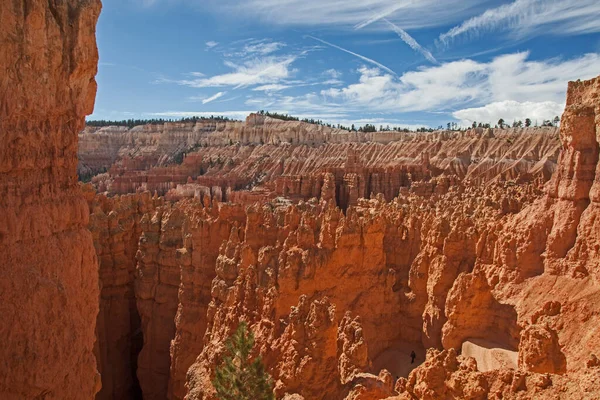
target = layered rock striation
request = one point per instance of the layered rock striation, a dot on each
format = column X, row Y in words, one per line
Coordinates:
column 116, row 226
column 187, row 160
column 477, row 254
column 48, row 266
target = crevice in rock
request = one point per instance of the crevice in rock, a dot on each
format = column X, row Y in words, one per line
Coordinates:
column 137, row 342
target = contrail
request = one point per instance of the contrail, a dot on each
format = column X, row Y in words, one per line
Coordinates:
column 409, row 40
column 354, row 54
column 378, row 17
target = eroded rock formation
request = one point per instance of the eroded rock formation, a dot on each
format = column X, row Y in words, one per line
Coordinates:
column 48, row 266
column 116, row 227
column 343, row 251
column 484, row 271
column 249, row 165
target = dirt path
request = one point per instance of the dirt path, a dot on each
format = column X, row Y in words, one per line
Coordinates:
column 489, row 355
column 397, row 360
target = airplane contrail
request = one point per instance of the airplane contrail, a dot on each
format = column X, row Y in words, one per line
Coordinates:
column 354, row 54
column 409, row 40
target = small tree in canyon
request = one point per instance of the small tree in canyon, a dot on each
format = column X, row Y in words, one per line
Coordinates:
column 238, row 377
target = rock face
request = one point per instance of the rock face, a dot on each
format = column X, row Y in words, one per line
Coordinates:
column 344, row 252
column 305, row 160
column 543, row 255
column 345, row 257
column 206, row 229
column 156, row 290
column 444, row 375
column 116, row 227
column 48, row 266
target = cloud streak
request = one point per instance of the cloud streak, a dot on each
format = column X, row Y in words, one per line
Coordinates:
column 531, row 17
column 263, row 47
column 379, row 16
column 274, row 87
column 366, row 59
column 258, row 71
column 406, row 38
column 409, row 40
column 352, row 13
column 213, row 98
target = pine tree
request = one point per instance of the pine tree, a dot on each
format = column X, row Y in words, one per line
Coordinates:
column 239, row 378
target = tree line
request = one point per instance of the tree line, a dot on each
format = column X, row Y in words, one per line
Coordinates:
column 519, row 124
column 367, row 128
column 130, row 123
column 453, row 126
column 527, row 123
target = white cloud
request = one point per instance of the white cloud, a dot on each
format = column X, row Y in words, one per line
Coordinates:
column 274, row 87
column 409, row 14
column 422, row 90
column 258, row 71
column 243, row 49
column 333, row 73
column 211, row 44
column 513, row 77
column 531, row 17
column 213, row 98
column 465, row 84
column 263, row 47
column 510, row 110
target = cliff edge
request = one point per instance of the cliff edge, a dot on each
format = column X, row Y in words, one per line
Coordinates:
column 48, row 266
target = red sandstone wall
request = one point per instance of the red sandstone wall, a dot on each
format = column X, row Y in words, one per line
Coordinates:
column 48, row 266
column 340, row 299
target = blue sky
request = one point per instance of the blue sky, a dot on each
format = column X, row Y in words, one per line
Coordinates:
column 399, row 62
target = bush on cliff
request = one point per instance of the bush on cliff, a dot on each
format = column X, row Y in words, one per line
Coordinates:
column 238, row 377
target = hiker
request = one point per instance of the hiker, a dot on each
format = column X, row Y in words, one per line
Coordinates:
column 412, row 357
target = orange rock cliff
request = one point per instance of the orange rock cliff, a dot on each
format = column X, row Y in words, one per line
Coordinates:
column 344, row 252
column 477, row 250
column 48, row 266
column 310, row 160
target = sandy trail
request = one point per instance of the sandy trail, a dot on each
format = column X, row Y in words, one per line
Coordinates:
column 397, row 360
column 489, row 355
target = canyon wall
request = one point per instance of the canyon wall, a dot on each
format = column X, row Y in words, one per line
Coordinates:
column 48, row 266
column 342, row 251
column 159, row 144
column 116, row 226
column 477, row 251
column 542, row 263
column 178, row 160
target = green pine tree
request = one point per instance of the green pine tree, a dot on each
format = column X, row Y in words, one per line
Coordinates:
column 238, row 377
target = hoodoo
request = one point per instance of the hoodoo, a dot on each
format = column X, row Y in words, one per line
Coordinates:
column 478, row 259
column 398, row 265
column 48, row 266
